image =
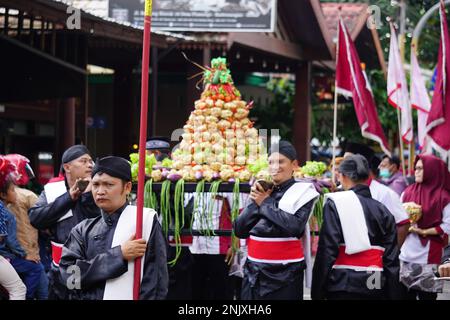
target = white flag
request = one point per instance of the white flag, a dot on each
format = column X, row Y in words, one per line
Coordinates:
column 397, row 88
column 420, row 100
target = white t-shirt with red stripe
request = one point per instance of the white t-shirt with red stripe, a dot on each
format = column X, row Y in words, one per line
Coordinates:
column 413, row 251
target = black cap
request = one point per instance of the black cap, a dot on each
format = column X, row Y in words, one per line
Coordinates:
column 155, row 143
column 285, row 148
column 74, row 152
column 114, row 166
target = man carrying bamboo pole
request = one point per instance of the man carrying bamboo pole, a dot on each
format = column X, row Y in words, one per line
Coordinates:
column 97, row 259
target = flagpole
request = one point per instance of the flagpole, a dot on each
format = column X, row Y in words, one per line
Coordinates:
column 401, row 40
column 142, row 140
column 333, row 142
column 400, row 141
column 402, row 157
column 414, row 50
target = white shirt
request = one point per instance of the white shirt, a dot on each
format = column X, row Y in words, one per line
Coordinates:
column 413, row 251
column 390, row 199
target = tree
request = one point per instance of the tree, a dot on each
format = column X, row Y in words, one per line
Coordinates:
column 278, row 114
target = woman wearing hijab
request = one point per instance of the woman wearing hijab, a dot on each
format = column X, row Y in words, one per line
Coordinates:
column 423, row 248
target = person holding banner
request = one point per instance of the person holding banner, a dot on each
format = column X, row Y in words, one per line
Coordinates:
column 357, row 256
column 274, row 223
column 97, row 258
column 62, row 205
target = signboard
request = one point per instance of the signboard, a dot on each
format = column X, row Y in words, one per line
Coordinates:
column 200, row 15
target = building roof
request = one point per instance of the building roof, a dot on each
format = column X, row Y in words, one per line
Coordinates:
column 353, row 14
column 96, row 15
column 355, row 17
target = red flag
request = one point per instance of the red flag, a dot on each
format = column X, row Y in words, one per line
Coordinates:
column 438, row 123
column 350, row 82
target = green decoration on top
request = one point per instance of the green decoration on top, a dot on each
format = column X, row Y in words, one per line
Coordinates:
column 218, row 73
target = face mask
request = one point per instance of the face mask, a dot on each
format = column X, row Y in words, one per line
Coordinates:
column 385, row 173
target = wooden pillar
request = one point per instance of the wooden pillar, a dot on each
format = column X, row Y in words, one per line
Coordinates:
column 65, row 129
column 123, row 111
column 302, row 112
column 207, row 54
column 83, row 62
column 68, row 110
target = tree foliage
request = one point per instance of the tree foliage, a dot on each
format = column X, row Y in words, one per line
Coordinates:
column 279, row 113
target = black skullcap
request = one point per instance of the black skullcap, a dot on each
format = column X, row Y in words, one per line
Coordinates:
column 285, row 148
column 355, row 167
column 156, row 143
column 362, row 149
column 74, row 152
column 114, row 166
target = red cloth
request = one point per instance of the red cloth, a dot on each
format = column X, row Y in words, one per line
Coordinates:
column 7, row 170
column 433, row 194
column 225, row 223
column 438, row 122
column 275, row 249
column 369, row 258
column 21, row 163
column 352, row 82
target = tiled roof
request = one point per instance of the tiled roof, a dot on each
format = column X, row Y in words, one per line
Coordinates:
column 351, row 14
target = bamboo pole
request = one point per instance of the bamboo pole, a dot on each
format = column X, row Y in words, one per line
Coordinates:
column 142, row 140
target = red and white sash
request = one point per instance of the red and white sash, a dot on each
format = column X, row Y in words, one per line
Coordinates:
column 357, row 253
column 121, row 288
column 275, row 250
column 353, row 221
column 293, row 199
column 368, row 260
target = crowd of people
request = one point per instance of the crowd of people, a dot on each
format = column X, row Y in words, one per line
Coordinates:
column 77, row 240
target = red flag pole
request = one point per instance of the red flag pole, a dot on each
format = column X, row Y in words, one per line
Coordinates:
column 142, row 140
